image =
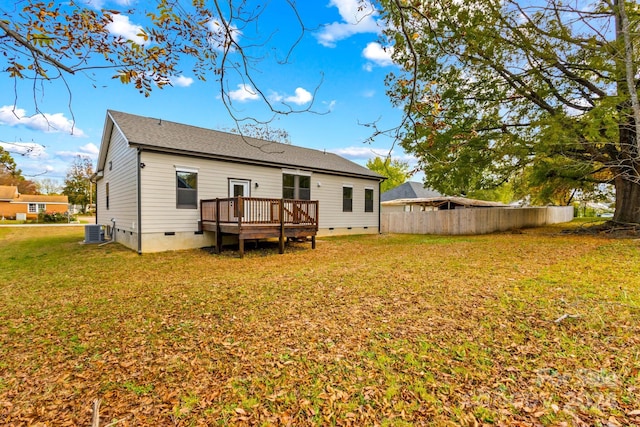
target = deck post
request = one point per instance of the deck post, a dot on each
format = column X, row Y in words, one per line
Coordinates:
column 313, row 241
column 218, row 233
column 281, row 241
column 241, row 247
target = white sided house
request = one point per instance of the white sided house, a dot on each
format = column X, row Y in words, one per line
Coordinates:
column 164, row 186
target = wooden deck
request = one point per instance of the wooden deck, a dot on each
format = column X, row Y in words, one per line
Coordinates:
column 252, row 218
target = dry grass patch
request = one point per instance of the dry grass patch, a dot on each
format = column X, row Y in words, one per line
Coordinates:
column 369, row 330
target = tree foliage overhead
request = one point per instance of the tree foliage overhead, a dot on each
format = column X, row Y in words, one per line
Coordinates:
column 496, row 89
column 263, row 131
column 396, row 171
column 49, row 40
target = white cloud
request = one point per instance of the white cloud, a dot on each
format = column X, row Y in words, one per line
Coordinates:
column 360, row 153
column 330, row 105
column 90, row 149
column 378, row 54
column 121, row 27
column 181, row 81
column 31, row 150
column 244, row 93
column 96, row 4
column 357, row 17
column 221, row 36
column 301, row 97
column 44, row 122
column 73, row 154
column 99, row 4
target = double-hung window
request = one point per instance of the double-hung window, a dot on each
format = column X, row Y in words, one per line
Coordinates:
column 347, row 199
column 186, row 189
column 296, row 186
column 37, row 207
column 368, row 199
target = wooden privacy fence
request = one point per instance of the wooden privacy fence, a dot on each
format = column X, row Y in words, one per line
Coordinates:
column 472, row 220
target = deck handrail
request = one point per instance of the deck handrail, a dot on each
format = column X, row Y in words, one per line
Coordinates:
column 256, row 211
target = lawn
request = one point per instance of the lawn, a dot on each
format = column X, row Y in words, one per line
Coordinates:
column 537, row 328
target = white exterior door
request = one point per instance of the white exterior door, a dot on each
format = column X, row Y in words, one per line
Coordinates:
column 240, row 188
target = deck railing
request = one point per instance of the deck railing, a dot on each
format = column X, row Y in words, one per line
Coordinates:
column 254, row 210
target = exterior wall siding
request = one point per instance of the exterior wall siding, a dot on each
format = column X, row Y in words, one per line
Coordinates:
column 165, row 227
column 329, row 193
column 122, row 180
column 159, row 192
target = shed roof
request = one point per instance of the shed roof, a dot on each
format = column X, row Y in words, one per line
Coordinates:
column 409, row 190
column 165, row 136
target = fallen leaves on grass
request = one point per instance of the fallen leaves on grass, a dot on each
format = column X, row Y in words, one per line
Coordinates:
column 369, row 330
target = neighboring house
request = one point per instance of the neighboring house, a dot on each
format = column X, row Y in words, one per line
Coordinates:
column 413, row 197
column 157, row 184
column 27, row 206
column 408, row 190
column 437, row 204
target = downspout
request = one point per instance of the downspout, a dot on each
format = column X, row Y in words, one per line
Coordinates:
column 139, row 203
column 379, row 207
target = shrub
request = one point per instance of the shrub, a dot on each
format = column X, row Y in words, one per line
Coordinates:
column 55, row 217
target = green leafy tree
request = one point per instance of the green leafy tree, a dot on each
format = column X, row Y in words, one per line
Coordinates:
column 77, row 185
column 7, row 164
column 545, row 91
column 396, row 171
column 11, row 175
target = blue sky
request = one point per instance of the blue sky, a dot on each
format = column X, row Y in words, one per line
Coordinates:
column 337, row 71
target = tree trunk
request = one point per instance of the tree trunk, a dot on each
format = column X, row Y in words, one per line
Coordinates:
column 627, row 200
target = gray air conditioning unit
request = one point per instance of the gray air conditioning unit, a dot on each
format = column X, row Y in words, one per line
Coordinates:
column 93, row 233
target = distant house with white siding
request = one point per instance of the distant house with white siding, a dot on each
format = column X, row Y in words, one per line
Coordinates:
column 158, row 183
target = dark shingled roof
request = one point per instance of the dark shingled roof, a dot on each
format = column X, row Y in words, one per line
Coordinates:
column 165, row 136
column 409, row 190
